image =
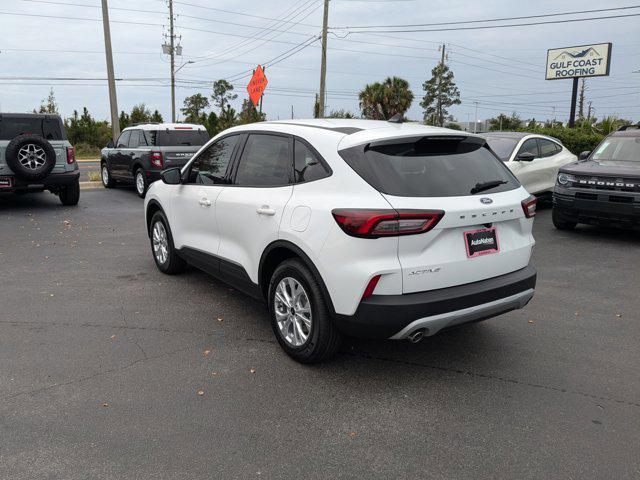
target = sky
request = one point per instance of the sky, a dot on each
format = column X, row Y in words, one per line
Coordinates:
column 59, row 44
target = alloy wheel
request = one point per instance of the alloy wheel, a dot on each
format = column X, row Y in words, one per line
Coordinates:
column 160, row 243
column 32, row 156
column 293, row 311
column 105, row 175
column 140, row 182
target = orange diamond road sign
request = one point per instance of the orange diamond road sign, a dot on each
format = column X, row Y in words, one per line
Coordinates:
column 257, row 85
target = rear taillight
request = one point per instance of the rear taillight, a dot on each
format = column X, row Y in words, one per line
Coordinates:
column 529, row 206
column 156, row 159
column 368, row 223
column 71, row 155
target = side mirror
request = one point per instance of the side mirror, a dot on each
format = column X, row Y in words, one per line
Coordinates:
column 525, row 157
column 110, row 144
column 171, row 176
column 584, row 155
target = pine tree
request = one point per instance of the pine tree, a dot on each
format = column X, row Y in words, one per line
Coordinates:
column 441, row 92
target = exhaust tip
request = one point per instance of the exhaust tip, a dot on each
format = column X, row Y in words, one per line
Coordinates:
column 416, row 335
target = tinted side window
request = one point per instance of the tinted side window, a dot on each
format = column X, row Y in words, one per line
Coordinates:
column 211, row 165
column 530, row 146
column 548, row 148
column 266, row 161
column 123, row 140
column 307, row 166
column 134, row 140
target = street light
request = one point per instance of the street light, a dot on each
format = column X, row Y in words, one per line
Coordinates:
column 184, row 64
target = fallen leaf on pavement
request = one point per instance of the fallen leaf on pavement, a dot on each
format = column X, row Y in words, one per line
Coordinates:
column 215, row 374
column 618, row 315
column 352, row 434
column 113, row 337
column 104, row 404
column 531, row 321
column 220, row 319
column 206, row 352
column 200, row 393
column 253, row 370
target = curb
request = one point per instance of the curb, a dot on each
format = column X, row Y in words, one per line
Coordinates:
column 90, row 185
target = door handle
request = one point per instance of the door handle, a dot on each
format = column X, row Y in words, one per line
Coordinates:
column 204, row 202
column 266, row 210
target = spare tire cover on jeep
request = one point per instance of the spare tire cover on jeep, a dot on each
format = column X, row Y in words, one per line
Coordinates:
column 30, row 157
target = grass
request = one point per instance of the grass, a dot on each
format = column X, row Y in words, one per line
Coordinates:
column 94, row 176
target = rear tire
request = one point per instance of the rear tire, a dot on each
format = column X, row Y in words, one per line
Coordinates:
column 315, row 338
column 70, row 195
column 164, row 252
column 105, row 174
column 560, row 223
column 140, row 182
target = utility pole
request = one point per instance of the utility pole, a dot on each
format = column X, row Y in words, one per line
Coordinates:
column 291, row 112
column 475, row 123
column 172, row 39
column 572, row 113
column 323, row 65
column 113, row 100
column 589, row 112
column 439, row 102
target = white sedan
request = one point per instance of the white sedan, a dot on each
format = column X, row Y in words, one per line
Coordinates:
column 534, row 159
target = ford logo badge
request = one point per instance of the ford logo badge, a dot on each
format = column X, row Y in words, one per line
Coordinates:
column 486, row 200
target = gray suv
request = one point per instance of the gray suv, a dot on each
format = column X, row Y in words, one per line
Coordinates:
column 143, row 151
column 35, row 155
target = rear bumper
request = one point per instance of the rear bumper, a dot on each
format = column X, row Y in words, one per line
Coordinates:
column 598, row 207
column 396, row 316
column 51, row 182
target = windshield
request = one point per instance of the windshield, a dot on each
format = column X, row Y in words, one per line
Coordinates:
column 618, row 149
column 503, row 147
column 176, row 138
column 430, row 167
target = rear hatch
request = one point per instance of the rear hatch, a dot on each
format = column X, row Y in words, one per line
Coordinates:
column 49, row 127
column 483, row 231
column 177, row 156
column 177, row 144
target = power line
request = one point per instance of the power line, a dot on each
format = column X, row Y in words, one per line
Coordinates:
column 503, row 19
column 489, row 27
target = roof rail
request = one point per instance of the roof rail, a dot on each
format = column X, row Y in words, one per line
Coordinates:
column 627, row 127
column 143, row 123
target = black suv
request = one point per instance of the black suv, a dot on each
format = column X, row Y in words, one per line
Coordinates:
column 143, row 151
column 603, row 187
column 35, row 155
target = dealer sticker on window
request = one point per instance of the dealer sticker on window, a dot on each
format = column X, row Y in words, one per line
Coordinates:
column 481, row 242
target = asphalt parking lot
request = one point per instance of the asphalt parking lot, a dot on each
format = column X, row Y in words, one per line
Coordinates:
column 110, row 369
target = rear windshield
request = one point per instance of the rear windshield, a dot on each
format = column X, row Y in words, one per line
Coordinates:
column 431, row 167
column 503, row 147
column 49, row 128
column 170, row 138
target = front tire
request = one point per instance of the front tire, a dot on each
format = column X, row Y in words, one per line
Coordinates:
column 140, row 181
column 164, row 252
column 70, row 195
column 560, row 223
column 105, row 174
column 299, row 314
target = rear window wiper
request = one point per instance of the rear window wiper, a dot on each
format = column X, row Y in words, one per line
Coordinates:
column 481, row 187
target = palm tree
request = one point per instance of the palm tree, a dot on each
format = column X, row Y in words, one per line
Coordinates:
column 381, row 101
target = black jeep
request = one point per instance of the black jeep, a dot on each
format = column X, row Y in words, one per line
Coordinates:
column 603, row 187
column 35, row 155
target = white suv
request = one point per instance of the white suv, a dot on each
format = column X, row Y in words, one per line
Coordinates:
column 356, row 227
